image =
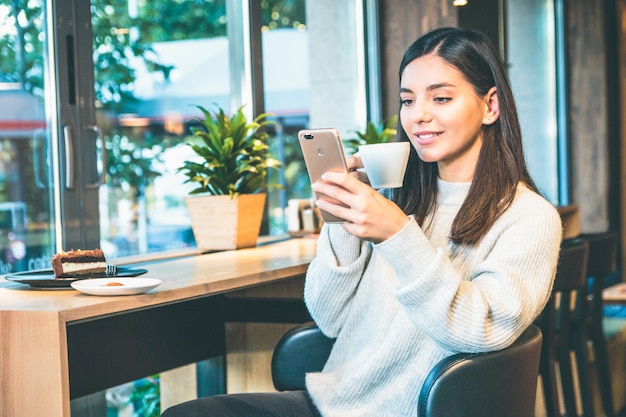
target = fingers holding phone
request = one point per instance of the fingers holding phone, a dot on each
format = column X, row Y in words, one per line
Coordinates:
column 361, row 206
column 355, row 166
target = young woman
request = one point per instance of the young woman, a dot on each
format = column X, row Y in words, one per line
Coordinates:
column 460, row 259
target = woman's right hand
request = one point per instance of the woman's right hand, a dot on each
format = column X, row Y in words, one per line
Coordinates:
column 362, row 207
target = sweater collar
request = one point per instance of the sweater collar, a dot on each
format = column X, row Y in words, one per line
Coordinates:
column 452, row 193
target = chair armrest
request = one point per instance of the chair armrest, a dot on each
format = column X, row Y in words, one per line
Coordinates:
column 300, row 350
column 500, row 383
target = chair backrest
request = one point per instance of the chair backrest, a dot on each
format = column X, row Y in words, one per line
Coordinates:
column 562, row 313
column 494, row 384
column 570, row 284
column 601, row 264
column 302, row 349
column 602, row 253
column 601, row 273
column 571, row 273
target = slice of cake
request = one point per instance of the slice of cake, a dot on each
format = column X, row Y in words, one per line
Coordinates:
column 79, row 263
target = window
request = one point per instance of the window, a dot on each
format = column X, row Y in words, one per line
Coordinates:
column 312, row 60
column 27, row 214
column 184, row 63
column 532, row 55
column 90, row 149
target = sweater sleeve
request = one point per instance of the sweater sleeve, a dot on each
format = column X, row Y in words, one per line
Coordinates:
column 333, row 276
column 505, row 288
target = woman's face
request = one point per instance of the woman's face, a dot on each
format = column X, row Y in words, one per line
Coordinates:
column 442, row 115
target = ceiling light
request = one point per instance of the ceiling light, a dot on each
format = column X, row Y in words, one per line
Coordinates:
column 459, row 2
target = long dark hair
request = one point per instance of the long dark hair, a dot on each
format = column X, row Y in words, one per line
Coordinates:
column 501, row 165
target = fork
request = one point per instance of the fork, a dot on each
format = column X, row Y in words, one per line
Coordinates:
column 111, row 269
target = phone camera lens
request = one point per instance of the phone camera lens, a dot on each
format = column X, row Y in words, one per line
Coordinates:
column 308, row 136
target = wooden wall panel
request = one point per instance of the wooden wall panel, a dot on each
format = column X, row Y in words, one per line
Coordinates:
column 401, row 23
column 588, row 117
column 621, row 30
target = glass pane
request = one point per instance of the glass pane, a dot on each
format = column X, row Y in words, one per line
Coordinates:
column 532, row 70
column 312, row 78
column 26, row 189
column 154, row 63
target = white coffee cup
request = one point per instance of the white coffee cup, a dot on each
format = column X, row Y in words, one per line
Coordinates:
column 385, row 163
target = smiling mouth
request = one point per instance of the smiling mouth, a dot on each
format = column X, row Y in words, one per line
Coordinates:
column 425, row 138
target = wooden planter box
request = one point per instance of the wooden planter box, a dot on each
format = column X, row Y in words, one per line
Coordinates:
column 219, row 222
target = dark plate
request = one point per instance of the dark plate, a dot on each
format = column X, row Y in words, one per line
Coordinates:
column 45, row 278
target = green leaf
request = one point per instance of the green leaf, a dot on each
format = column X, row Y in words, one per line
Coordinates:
column 373, row 133
column 235, row 153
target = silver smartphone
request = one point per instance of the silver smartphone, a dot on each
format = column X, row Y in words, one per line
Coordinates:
column 323, row 152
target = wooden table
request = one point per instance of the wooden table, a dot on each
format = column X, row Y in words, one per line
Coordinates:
column 56, row 345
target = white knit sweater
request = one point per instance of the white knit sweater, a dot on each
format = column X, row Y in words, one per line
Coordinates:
column 398, row 307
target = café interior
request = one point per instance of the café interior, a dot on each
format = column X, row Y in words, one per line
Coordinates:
column 212, row 324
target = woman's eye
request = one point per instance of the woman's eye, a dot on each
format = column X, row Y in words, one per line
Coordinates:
column 442, row 100
column 406, row 102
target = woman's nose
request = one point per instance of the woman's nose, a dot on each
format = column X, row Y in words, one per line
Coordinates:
column 420, row 113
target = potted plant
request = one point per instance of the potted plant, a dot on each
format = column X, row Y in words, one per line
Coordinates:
column 226, row 207
column 373, row 133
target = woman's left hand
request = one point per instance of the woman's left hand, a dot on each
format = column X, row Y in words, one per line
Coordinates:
column 368, row 214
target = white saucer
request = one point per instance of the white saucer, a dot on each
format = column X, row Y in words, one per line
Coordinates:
column 102, row 286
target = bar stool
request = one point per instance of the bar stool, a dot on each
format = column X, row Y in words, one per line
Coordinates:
column 602, row 262
column 555, row 323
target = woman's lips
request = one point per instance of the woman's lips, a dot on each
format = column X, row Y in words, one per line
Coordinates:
column 425, row 138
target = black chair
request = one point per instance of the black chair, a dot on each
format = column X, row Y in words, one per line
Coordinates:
column 494, row 384
column 302, row 349
column 556, row 325
column 587, row 321
column 601, row 264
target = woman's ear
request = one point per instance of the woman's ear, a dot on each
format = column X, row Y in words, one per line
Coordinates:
column 492, row 107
